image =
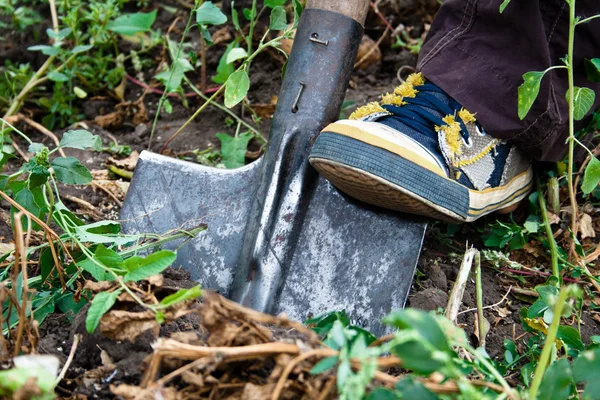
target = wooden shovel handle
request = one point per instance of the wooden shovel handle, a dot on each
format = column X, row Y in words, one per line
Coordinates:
column 355, row 9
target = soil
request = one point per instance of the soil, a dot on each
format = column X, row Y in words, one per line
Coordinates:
column 438, row 265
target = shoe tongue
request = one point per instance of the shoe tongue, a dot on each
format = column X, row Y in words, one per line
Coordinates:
column 428, row 138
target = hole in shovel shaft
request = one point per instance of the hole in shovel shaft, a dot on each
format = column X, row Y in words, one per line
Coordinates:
column 297, row 100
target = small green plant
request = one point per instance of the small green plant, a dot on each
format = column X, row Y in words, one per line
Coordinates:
column 82, row 57
column 579, row 99
column 80, row 251
column 553, row 364
column 234, row 66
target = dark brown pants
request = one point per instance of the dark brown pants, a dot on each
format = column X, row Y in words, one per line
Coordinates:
column 478, row 56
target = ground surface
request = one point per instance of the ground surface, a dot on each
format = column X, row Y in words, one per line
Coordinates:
column 441, row 255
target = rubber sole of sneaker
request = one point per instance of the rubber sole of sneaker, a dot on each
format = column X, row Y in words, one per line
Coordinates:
column 385, row 179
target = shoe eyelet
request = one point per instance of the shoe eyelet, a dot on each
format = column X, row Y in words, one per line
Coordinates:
column 479, row 131
column 468, row 143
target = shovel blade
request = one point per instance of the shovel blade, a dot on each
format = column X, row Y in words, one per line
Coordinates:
column 167, row 194
column 351, row 257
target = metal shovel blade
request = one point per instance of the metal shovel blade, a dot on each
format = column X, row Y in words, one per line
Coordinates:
column 280, row 238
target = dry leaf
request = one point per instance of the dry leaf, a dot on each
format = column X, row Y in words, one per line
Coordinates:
column 125, row 325
column 111, row 120
column 486, row 329
column 28, row 391
column 264, row 110
column 502, row 312
column 193, row 379
column 120, row 90
column 130, row 392
column 128, row 163
column 586, row 226
column 221, row 36
column 97, row 287
column 254, row 392
column 596, row 318
column 96, row 375
column 368, row 53
column 533, row 248
column 6, row 248
column 155, row 280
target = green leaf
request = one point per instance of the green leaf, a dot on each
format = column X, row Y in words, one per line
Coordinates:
column 81, row 49
column 81, row 139
column 209, row 14
column 103, row 227
column 236, row 54
column 57, row 76
column 13, row 379
column 591, row 176
column 583, row 100
column 107, row 257
column 174, row 76
column 70, row 171
column 68, row 306
column 33, row 201
column 558, row 381
column 418, row 357
column 144, row 267
column 46, row 50
column 412, row 389
column 181, row 295
column 35, row 148
column 586, row 368
column 274, row 3
column 278, row 19
column 424, row 339
column 570, row 337
column 422, row 322
column 324, row 365
column 503, row 6
column 529, row 91
column 39, row 175
column 101, row 304
column 592, row 69
column 225, row 69
column 233, row 149
column 235, row 19
column 298, row 9
column 79, row 92
column 130, row 24
column 532, row 224
column 236, row 88
column 382, row 394
column 60, row 35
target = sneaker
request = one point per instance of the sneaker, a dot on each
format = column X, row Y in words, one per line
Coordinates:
column 418, row 151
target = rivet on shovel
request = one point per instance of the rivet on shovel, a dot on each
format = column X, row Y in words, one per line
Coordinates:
column 297, row 100
column 315, row 38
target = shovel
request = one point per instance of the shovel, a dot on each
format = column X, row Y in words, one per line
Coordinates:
column 281, row 239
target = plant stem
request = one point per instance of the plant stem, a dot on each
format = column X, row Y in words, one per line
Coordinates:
column 174, row 57
column 260, row 48
column 33, row 82
column 490, row 367
column 251, row 30
column 225, row 110
column 189, row 121
column 572, row 194
column 548, row 344
column 549, row 233
column 479, row 300
column 583, row 21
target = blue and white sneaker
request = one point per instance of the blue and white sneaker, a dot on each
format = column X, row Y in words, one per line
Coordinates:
column 418, row 151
